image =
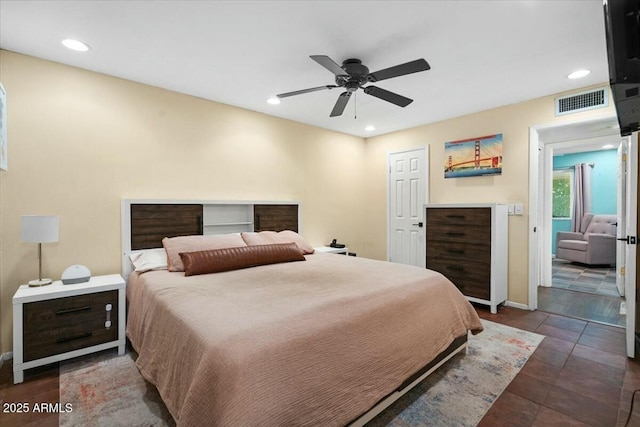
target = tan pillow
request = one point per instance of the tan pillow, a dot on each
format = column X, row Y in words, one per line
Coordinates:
column 175, row 245
column 272, row 237
column 217, row 260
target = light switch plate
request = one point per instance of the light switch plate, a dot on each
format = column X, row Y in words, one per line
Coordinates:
column 518, row 209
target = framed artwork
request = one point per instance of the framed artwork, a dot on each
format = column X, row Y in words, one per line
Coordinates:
column 3, row 128
column 473, row 157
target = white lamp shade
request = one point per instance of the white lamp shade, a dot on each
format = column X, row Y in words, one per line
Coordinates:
column 39, row 229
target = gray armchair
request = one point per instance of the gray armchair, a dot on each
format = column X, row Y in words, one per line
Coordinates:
column 595, row 245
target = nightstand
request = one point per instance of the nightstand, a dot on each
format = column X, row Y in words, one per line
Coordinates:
column 330, row 250
column 58, row 322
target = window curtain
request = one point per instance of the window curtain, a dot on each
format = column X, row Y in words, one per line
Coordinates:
column 582, row 195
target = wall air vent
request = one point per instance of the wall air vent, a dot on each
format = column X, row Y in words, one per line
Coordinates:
column 582, row 101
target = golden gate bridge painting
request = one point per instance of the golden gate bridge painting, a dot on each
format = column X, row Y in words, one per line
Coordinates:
column 473, row 157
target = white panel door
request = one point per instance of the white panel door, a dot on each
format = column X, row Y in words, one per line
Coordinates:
column 408, row 172
column 631, row 236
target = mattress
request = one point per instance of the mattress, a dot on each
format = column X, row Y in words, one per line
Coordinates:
column 314, row 342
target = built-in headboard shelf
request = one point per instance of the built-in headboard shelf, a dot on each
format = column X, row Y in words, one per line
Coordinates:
column 145, row 223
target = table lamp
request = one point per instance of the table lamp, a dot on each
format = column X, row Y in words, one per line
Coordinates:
column 39, row 229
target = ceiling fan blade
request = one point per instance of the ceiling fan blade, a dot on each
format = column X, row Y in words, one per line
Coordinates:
column 329, row 64
column 300, row 92
column 399, row 70
column 341, row 103
column 391, row 97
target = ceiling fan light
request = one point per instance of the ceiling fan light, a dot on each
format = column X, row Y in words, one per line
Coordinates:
column 76, row 45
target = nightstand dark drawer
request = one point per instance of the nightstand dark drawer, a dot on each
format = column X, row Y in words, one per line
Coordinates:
column 65, row 324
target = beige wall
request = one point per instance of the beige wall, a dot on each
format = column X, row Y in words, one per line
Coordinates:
column 512, row 186
column 79, row 142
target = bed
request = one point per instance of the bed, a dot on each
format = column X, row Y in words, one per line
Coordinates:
column 324, row 340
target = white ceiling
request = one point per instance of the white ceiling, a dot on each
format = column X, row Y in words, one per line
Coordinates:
column 483, row 54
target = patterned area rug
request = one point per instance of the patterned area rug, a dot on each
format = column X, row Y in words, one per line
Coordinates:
column 462, row 391
column 107, row 390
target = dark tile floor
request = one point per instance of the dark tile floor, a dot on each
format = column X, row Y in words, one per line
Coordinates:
column 578, row 376
column 599, row 280
column 584, row 292
column 582, row 305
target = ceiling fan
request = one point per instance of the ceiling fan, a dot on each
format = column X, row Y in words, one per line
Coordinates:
column 352, row 75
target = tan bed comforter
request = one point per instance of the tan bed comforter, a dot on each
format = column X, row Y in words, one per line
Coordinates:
column 315, row 342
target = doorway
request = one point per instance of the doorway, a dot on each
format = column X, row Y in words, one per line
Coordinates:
column 584, row 288
column 541, row 140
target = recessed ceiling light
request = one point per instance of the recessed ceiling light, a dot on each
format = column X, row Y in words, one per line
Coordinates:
column 370, row 128
column 76, row 45
column 579, row 74
column 607, row 146
column 273, row 101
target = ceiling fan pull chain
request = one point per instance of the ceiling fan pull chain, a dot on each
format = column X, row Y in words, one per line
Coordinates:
column 355, row 105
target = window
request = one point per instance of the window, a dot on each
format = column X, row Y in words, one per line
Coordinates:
column 562, row 193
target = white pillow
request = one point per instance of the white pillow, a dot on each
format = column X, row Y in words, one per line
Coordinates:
column 149, row 259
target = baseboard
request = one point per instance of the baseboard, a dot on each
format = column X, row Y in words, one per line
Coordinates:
column 517, row 305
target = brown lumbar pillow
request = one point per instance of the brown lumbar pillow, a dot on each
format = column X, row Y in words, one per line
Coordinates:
column 217, row 260
column 175, row 245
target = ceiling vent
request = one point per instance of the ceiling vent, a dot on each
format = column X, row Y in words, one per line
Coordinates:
column 582, row 101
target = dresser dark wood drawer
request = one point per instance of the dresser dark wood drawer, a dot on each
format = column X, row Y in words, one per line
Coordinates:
column 473, row 235
column 459, row 216
column 455, row 250
column 65, row 324
column 461, row 268
column 472, row 287
column 471, row 277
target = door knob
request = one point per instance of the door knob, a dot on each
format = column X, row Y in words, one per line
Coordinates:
column 419, row 224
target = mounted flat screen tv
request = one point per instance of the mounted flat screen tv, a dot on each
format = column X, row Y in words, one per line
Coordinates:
column 622, row 27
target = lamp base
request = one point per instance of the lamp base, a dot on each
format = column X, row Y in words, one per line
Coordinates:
column 41, row 282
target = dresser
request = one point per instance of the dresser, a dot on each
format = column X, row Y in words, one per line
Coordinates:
column 58, row 322
column 468, row 243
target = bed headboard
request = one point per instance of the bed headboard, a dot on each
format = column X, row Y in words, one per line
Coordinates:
column 145, row 223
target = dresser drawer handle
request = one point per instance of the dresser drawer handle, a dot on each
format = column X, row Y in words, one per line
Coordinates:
column 456, row 251
column 455, row 267
column 77, row 337
column 456, row 216
column 452, row 233
column 73, row 310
